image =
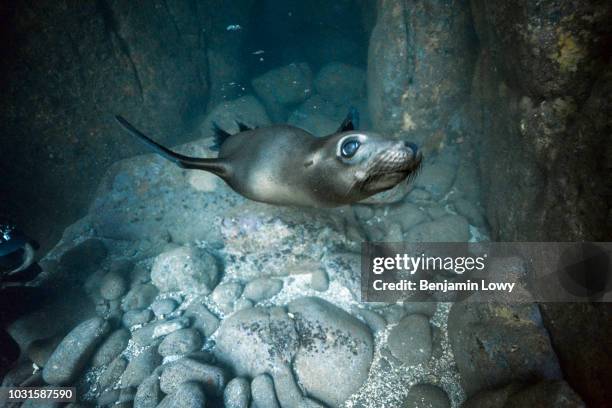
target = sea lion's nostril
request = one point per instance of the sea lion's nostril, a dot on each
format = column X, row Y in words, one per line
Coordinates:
column 413, row 147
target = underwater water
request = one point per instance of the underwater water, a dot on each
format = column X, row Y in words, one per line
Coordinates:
column 303, row 129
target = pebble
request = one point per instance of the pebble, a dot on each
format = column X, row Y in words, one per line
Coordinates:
column 226, row 294
column 148, row 333
column 262, row 392
column 111, row 347
column 262, row 288
column 188, row 269
column 164, row 307
column 148, row 393
column 202, row 319
column 426, row 396
column 243, row 303
column 394, row 233
column 186, row 395
column 449, row 228
column 407, row 215
column 74, row 351
column 394, row 313
column 436, row 211
column 166, row 327
column 137, row 316
column 418, row 195
column 363, row 212
column 140, row 367
column 139, row 297
column 185, row 369
column 112, row 373
column 113, row 286
column 436, row 179
column 237, row 393
column 411, row 340
column 288, row 392
column 319, row 280
column 181, row 342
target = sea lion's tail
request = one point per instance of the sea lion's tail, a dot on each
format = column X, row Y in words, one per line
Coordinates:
column 216, row 166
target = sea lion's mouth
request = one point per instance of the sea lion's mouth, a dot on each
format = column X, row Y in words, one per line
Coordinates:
column 391, row 168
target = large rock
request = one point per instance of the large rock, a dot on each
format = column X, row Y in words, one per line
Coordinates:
column 495, row 344
column 188, row 269
column 112, row 57
column 341, row 83
column 257, row 340
column 317, row 339
column 180, row 342
column 70, row 357
column 282, row 87
column 539, row 92
column 148, row 393
column 419, row 61
column 546, row 394
column 410, row 341
column 140, row 367
column 184, row 370
column 137, row 200
column 333, row 344
column 114, row 344
column 315, row 123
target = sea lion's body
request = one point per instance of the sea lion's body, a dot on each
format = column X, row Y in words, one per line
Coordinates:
column 285, row 165
column 264, row 165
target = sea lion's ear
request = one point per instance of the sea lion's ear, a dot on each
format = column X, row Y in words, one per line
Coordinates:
column 351, row 122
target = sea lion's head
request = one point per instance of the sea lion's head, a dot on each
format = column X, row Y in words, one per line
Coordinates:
column 362, row 164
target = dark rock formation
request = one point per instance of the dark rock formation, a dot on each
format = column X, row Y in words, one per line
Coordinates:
column 420, row 56
column 67, row 68
column 541, row 101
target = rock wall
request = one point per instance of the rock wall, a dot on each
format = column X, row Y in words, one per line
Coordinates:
column 67, row 68
column 526, row 86
column 420, row 58
column 541, row 113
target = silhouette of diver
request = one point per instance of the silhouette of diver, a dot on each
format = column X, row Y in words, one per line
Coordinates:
column 17, row 267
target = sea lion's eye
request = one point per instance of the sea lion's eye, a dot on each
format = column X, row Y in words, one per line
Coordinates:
column 349, row 148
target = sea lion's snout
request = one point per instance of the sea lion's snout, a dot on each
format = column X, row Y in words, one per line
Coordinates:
column 395, row 162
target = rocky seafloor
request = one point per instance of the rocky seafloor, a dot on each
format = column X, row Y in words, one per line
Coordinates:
column 177, row 292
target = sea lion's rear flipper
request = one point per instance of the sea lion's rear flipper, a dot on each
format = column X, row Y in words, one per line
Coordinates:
column 215, row 166
column 219, row 136
column 242, row 127
column 351, row 122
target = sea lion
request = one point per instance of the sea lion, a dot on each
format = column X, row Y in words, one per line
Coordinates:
column 285, row 165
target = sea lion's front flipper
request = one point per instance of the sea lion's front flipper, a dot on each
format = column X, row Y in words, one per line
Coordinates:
column 215, row 166
column 351, row 122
